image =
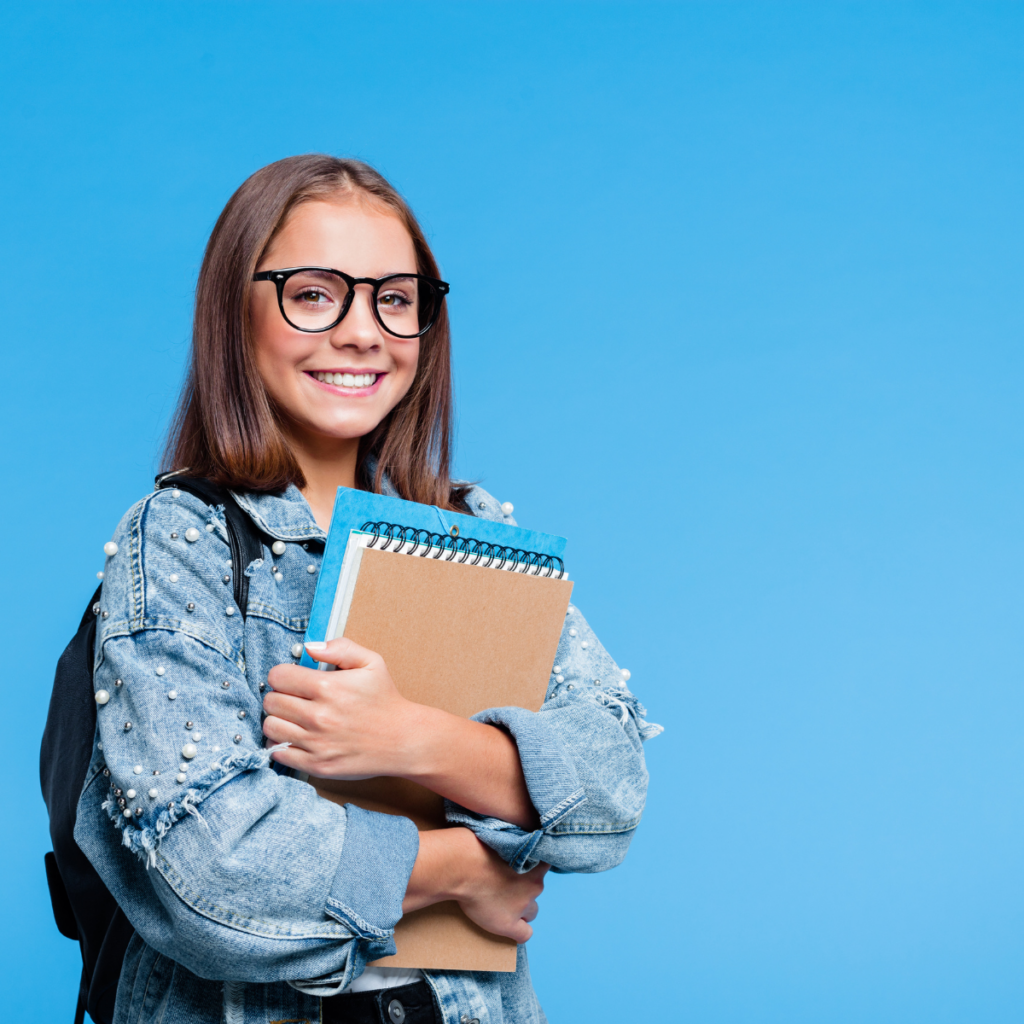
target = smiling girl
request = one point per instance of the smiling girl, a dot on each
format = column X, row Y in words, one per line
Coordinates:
column 320, row 359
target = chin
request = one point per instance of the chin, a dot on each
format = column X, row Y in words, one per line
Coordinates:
column 347, row 431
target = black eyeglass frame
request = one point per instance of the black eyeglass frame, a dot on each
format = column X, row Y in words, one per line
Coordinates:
column 280, row 277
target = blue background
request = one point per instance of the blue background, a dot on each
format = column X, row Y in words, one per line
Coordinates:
column 736, row 297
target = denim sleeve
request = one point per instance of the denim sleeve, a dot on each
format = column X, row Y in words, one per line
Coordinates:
column 220, row 862
column 582, row 758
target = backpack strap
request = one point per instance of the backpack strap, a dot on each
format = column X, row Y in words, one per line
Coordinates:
column 245, row 539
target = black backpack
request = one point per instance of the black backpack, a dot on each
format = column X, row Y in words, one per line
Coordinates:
column 82, row 906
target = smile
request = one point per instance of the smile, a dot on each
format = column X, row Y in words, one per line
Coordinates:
column 346, row 380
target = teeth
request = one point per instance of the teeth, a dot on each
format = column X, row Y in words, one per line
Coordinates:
column 346, row 380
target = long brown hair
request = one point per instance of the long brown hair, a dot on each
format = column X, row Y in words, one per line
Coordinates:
column 226, row 428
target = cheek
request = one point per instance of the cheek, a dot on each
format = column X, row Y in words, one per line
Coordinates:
column 267, row 352
column 276, row 351
column 272, row 368
column 407, row 361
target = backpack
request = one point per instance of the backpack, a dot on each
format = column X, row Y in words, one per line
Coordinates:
column 82, row 906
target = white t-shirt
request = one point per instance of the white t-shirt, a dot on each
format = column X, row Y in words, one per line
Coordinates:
column 374, row 978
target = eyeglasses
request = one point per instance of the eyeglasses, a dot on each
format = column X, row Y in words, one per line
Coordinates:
column 314, row 299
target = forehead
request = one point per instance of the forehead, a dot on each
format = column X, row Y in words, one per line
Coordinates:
column 363, row 239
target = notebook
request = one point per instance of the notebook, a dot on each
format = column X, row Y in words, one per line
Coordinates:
column 467, row 615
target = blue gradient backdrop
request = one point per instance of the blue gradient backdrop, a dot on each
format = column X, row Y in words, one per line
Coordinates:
column 736, row 296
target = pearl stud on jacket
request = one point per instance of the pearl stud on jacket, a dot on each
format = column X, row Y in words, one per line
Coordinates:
column 278, row 547
column 110, row 549
column 507, row 508
column 101, row 697
column 192, row 535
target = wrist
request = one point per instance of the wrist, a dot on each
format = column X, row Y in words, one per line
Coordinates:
column 448, row 861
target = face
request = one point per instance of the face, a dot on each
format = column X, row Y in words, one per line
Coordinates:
column 364, row 241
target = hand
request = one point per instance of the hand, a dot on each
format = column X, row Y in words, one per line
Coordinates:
column 453, row 864
column 349, row 724
column 354, row 724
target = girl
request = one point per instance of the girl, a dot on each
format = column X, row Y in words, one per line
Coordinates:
column 320, row 358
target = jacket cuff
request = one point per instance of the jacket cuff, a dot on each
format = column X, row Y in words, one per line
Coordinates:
column 377, row 856
column 551, row 781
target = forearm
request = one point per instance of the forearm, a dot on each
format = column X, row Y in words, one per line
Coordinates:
column 436, row 874
column 471, row 764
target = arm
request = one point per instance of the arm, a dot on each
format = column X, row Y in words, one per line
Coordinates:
column 355, row 724
column 564, row 785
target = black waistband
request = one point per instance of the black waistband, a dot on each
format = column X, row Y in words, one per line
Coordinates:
column 406, row 1004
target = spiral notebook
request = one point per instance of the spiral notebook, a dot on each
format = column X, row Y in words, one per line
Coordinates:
column 467, row 614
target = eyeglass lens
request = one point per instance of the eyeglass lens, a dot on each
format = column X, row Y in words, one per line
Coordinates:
column 314, row 300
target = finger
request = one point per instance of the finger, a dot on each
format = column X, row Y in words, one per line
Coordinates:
column 293, row 757
column 298, row 681
column 536, row 875
column 277, row 730
column 300, row 711
column 342, row 653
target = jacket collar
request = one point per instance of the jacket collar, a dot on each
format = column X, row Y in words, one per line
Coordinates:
column 282, row 516
column 288, row 516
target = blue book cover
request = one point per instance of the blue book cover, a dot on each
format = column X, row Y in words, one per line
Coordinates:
column 353, row 508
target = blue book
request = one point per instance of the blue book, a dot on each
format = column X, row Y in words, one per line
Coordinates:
column 409, row 522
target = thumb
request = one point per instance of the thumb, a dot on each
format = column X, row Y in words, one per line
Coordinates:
column 342, row 653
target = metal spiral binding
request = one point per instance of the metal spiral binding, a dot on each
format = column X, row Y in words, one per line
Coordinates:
column 453, row 548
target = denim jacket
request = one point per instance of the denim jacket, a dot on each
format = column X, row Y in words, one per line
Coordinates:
column 252, row 897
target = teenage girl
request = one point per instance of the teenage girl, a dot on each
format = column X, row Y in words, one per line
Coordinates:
column 320, row 359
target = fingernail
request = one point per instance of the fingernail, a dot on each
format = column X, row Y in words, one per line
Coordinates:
column 315, row 645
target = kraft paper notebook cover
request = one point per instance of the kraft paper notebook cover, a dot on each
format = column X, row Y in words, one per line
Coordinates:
column 353, row 509
column 457, row 636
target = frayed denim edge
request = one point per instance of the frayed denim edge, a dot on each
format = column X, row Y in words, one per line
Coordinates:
column 145, row 842
column 614, row 697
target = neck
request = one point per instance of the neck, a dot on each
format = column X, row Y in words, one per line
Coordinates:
column 327, row 465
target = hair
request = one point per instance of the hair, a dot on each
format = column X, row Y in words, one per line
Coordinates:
column 226, row 427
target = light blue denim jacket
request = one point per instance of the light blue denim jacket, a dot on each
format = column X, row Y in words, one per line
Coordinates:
column 251, row 896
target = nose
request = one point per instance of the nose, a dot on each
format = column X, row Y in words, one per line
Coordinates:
column 359, row 328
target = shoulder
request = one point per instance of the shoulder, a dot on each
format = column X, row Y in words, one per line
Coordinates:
column 167, row 525
column 166, row 559
column 484, row 505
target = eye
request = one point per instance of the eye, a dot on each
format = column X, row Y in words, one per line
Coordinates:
column 312, row 297
column 394, row 301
